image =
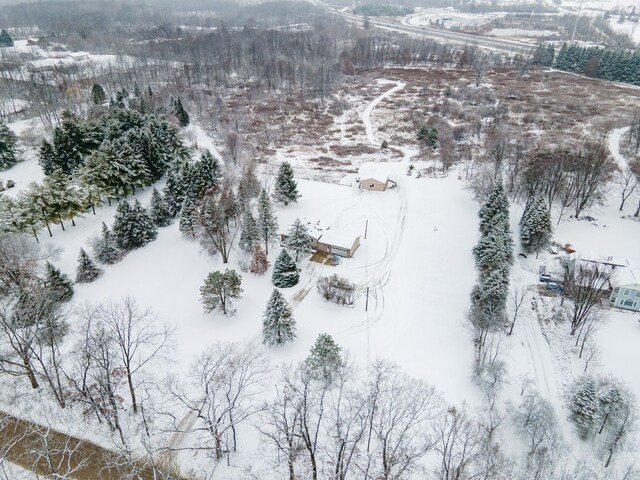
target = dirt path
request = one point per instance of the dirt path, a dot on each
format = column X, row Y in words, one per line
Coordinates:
column 57, row 455
column 366, row 115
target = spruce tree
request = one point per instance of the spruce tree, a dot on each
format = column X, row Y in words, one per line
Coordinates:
column 159, row 210
column 267, row 220
column 249, row 235
column 105, row 247
column 97, row 94
column 207, row 173
column 180, row 113
column 133, row 228
column 494, row 251
column 535, row 226
column 8, row 152
column 259, row 262
column 298, row 240
column 47, row 158
column 220, row 290
column 278, row 325
column 584, row 406
column 325, row 358
column 285, row 272
column 495, row 210
column 5, row 39
column 57, row 284
column 188, row 218
column 86, row 271
column 286, row 188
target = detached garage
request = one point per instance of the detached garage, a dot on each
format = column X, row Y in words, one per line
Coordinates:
column 373, row 177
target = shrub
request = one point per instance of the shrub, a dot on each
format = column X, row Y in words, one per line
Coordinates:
column 337, row 290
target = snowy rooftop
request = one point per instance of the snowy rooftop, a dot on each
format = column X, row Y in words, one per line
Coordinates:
column 340, row 237
column 375, row 171
column 626, row 276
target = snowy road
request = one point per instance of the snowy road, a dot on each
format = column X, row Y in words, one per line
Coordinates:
column 366, row 115
column 613, row 143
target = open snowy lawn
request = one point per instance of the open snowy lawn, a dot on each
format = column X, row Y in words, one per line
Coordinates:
column 416, row 261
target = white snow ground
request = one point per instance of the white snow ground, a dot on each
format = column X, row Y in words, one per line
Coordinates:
column 416, row 260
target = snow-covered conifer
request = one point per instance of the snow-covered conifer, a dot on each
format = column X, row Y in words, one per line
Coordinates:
column 105, row 247
column 267, row 220
column 249, row 235
column 285, row 272
column 278, row 325
column 58, row 284
column 86, row 271
column 220, row 290
column 298, row 240
column 325, row 358
column 159, row 210
column 286, row 188
column 188, row 217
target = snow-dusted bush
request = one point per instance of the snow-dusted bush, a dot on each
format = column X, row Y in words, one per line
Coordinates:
column 337, row 290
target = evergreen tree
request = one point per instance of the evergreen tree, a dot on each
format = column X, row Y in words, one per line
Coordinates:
column 132, row 227
column 207, row 173
column 220, row 290
column 285, row 272
column 5, row 39
column 249, row 234
column 298, row 240
column 495, row 210
column 249, row 186
column 278, row 325
column 86, row 271
column 259, row 262
column 493, row 251
column 267, row 220
column 188, row 218
column 97, row 94
column 8, row 153
column 159, row 210
column 105, row 247
column 584, row 406
column 61, row 199
column 180, row 113
column 57, row 284
column 535, row 226
column 172, row 192
column 286, row 188
column 47, row 158
column 325, row 358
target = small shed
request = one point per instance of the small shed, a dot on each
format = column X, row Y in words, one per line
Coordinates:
column 373, row 177
column 79, row 56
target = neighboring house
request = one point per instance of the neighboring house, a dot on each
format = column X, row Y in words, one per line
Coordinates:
column 373, row 177
column 626, row 296
column 339, row 243
column 326, row 239
column 33, row 41
column 626, row 291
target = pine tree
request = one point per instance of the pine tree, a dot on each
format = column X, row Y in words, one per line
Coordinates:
column 132, row 227
column 47, row 158
column 159, row 210
column 97, row 94
column 267, row 220
column 325, row 358
column 220, row 290
column 584, row 406
column 188, row 218
column 259, row 262
column 5, row 39
column 105, row 247
column 8, row 153
column 493, row 251
column 249, row 235
column 57, row 284
column 285, row 272
column 61, row 199
column 278, row 325
column 286, row 188
column 298, row 240
column 180, row 113
column 207, row 173
column 86, row 271
column 535, row 226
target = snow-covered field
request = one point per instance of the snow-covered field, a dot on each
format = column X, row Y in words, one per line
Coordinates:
column 416, row 260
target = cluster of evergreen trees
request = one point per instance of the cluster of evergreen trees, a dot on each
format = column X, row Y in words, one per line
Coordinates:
column 494, row 256
column 104, row 157
column 617, row 65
